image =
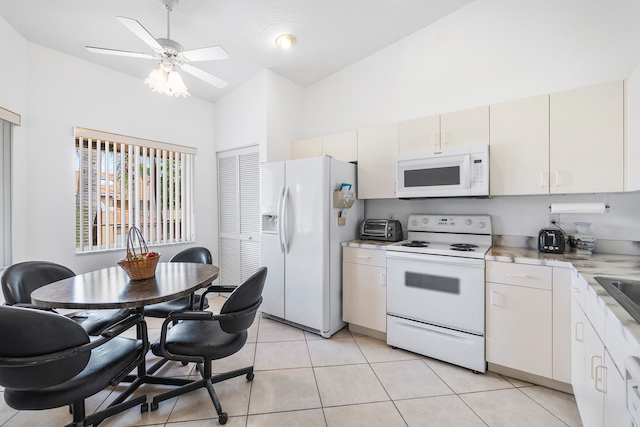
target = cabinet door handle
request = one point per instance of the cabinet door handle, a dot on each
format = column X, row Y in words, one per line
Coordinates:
column 594, row 366
column 575, row 331
column 522, row 276
column 601, row 379
column 544, row 179
column 383, row 279
column 446, row 139
column 575, row 290
column 436, row 140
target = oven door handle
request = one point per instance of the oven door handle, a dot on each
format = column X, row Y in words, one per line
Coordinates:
column 439, row 259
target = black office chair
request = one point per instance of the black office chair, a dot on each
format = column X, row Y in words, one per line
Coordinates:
column 20, row 280
column 201, row 337
column 48, row 361
column 161, row 310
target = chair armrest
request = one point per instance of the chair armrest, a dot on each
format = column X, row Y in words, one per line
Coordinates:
column 33, row 306
column 188, row 315
column 223, row 289
column 122, row 326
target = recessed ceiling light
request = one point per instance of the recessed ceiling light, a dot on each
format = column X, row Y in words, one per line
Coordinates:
column 285, row 41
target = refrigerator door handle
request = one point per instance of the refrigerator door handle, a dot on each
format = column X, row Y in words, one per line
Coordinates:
column 280, row 219
column 285, row 218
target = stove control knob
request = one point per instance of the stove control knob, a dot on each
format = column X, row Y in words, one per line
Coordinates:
column 468, row 221
column 482, row 224
column 414, row 222
column 425, row 220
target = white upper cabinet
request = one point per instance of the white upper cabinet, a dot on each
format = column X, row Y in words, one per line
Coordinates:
column 342, row 146
column 306, row 148
column 377, row 153
column 438, row 132
column 419, row 135
column 587, row 139
column 519, row 148
column 465, row 127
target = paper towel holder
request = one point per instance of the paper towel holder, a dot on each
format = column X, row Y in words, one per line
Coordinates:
column 579, row 208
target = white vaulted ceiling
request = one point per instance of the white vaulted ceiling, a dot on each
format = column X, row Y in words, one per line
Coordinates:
column 331, row 34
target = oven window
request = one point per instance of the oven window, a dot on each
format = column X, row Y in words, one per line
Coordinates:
column 432, row 177
column 448, row 285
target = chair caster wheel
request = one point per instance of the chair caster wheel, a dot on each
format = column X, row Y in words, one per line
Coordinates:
column 184, row 363
column 223, row 418
column 154, row 406
column 144, row 408
column 250, row 376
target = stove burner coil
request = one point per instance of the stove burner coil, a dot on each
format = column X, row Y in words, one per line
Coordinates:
column 415, row 244
column 463, row 246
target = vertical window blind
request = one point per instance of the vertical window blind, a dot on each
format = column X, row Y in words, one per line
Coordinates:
column 123, row 181
column 5, row 191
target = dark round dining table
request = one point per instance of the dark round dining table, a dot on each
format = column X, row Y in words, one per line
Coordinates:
column 112, row 288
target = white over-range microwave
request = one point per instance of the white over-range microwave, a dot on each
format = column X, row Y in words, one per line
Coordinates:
column 455, row 172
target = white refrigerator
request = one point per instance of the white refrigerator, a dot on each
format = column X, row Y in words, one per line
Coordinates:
column 301, row 240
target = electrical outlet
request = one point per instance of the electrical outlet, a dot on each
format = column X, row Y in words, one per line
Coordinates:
column 554, row 218
column 391, row 216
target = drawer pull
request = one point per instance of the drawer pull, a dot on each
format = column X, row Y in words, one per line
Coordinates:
column 363, row 257
column 522, row 276
column 594, row 367
column 579, row 336
column 601, row 378
column 575, row 290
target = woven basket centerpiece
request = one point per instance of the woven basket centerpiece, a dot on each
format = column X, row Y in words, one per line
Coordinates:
column 140, row 263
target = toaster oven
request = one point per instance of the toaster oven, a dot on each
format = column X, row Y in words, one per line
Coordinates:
column 389, row 230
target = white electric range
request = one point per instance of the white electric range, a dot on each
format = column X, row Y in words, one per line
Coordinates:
column 436, row 290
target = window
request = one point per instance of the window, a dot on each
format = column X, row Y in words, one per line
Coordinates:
column 124, row 181
column 7, row 120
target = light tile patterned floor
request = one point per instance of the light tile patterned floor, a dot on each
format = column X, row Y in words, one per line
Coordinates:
column 302, row 379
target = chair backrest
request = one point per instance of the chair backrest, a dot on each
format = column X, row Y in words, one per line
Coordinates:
column 26, row 332
column 19, row 280
column 248, row 294
column 196, row 254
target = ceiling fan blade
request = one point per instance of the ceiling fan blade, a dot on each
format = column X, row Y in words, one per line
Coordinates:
column 105, row 51
column 136, row 28
column 210, row 53
column 203, row 75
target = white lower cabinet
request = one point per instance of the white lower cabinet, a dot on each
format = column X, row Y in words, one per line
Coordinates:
column 598, row 383
column 364, row 288
column 519, row 328
column 529, row 319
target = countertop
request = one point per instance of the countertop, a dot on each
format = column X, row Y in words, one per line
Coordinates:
column 368, row 244
column 588, row 266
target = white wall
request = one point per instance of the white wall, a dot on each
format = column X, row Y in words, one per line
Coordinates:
column 13, row 88
column 59, row 92
column 267, row 111
column 487, row 52
column 240, row 118
column 285, row 116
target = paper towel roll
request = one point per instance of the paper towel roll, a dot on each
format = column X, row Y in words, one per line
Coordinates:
column 579, row 208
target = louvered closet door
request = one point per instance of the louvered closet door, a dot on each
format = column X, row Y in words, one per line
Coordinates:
column 239, row 214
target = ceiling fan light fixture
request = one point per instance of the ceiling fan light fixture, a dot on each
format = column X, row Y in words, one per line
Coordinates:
column 285, row 41
column 166, row 81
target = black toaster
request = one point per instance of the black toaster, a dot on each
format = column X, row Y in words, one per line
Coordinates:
column 551, row 240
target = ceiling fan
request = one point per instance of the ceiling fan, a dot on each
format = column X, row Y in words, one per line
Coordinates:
column 164, row 78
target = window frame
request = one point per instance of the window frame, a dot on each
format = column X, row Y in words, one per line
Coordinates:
column 158, row 199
